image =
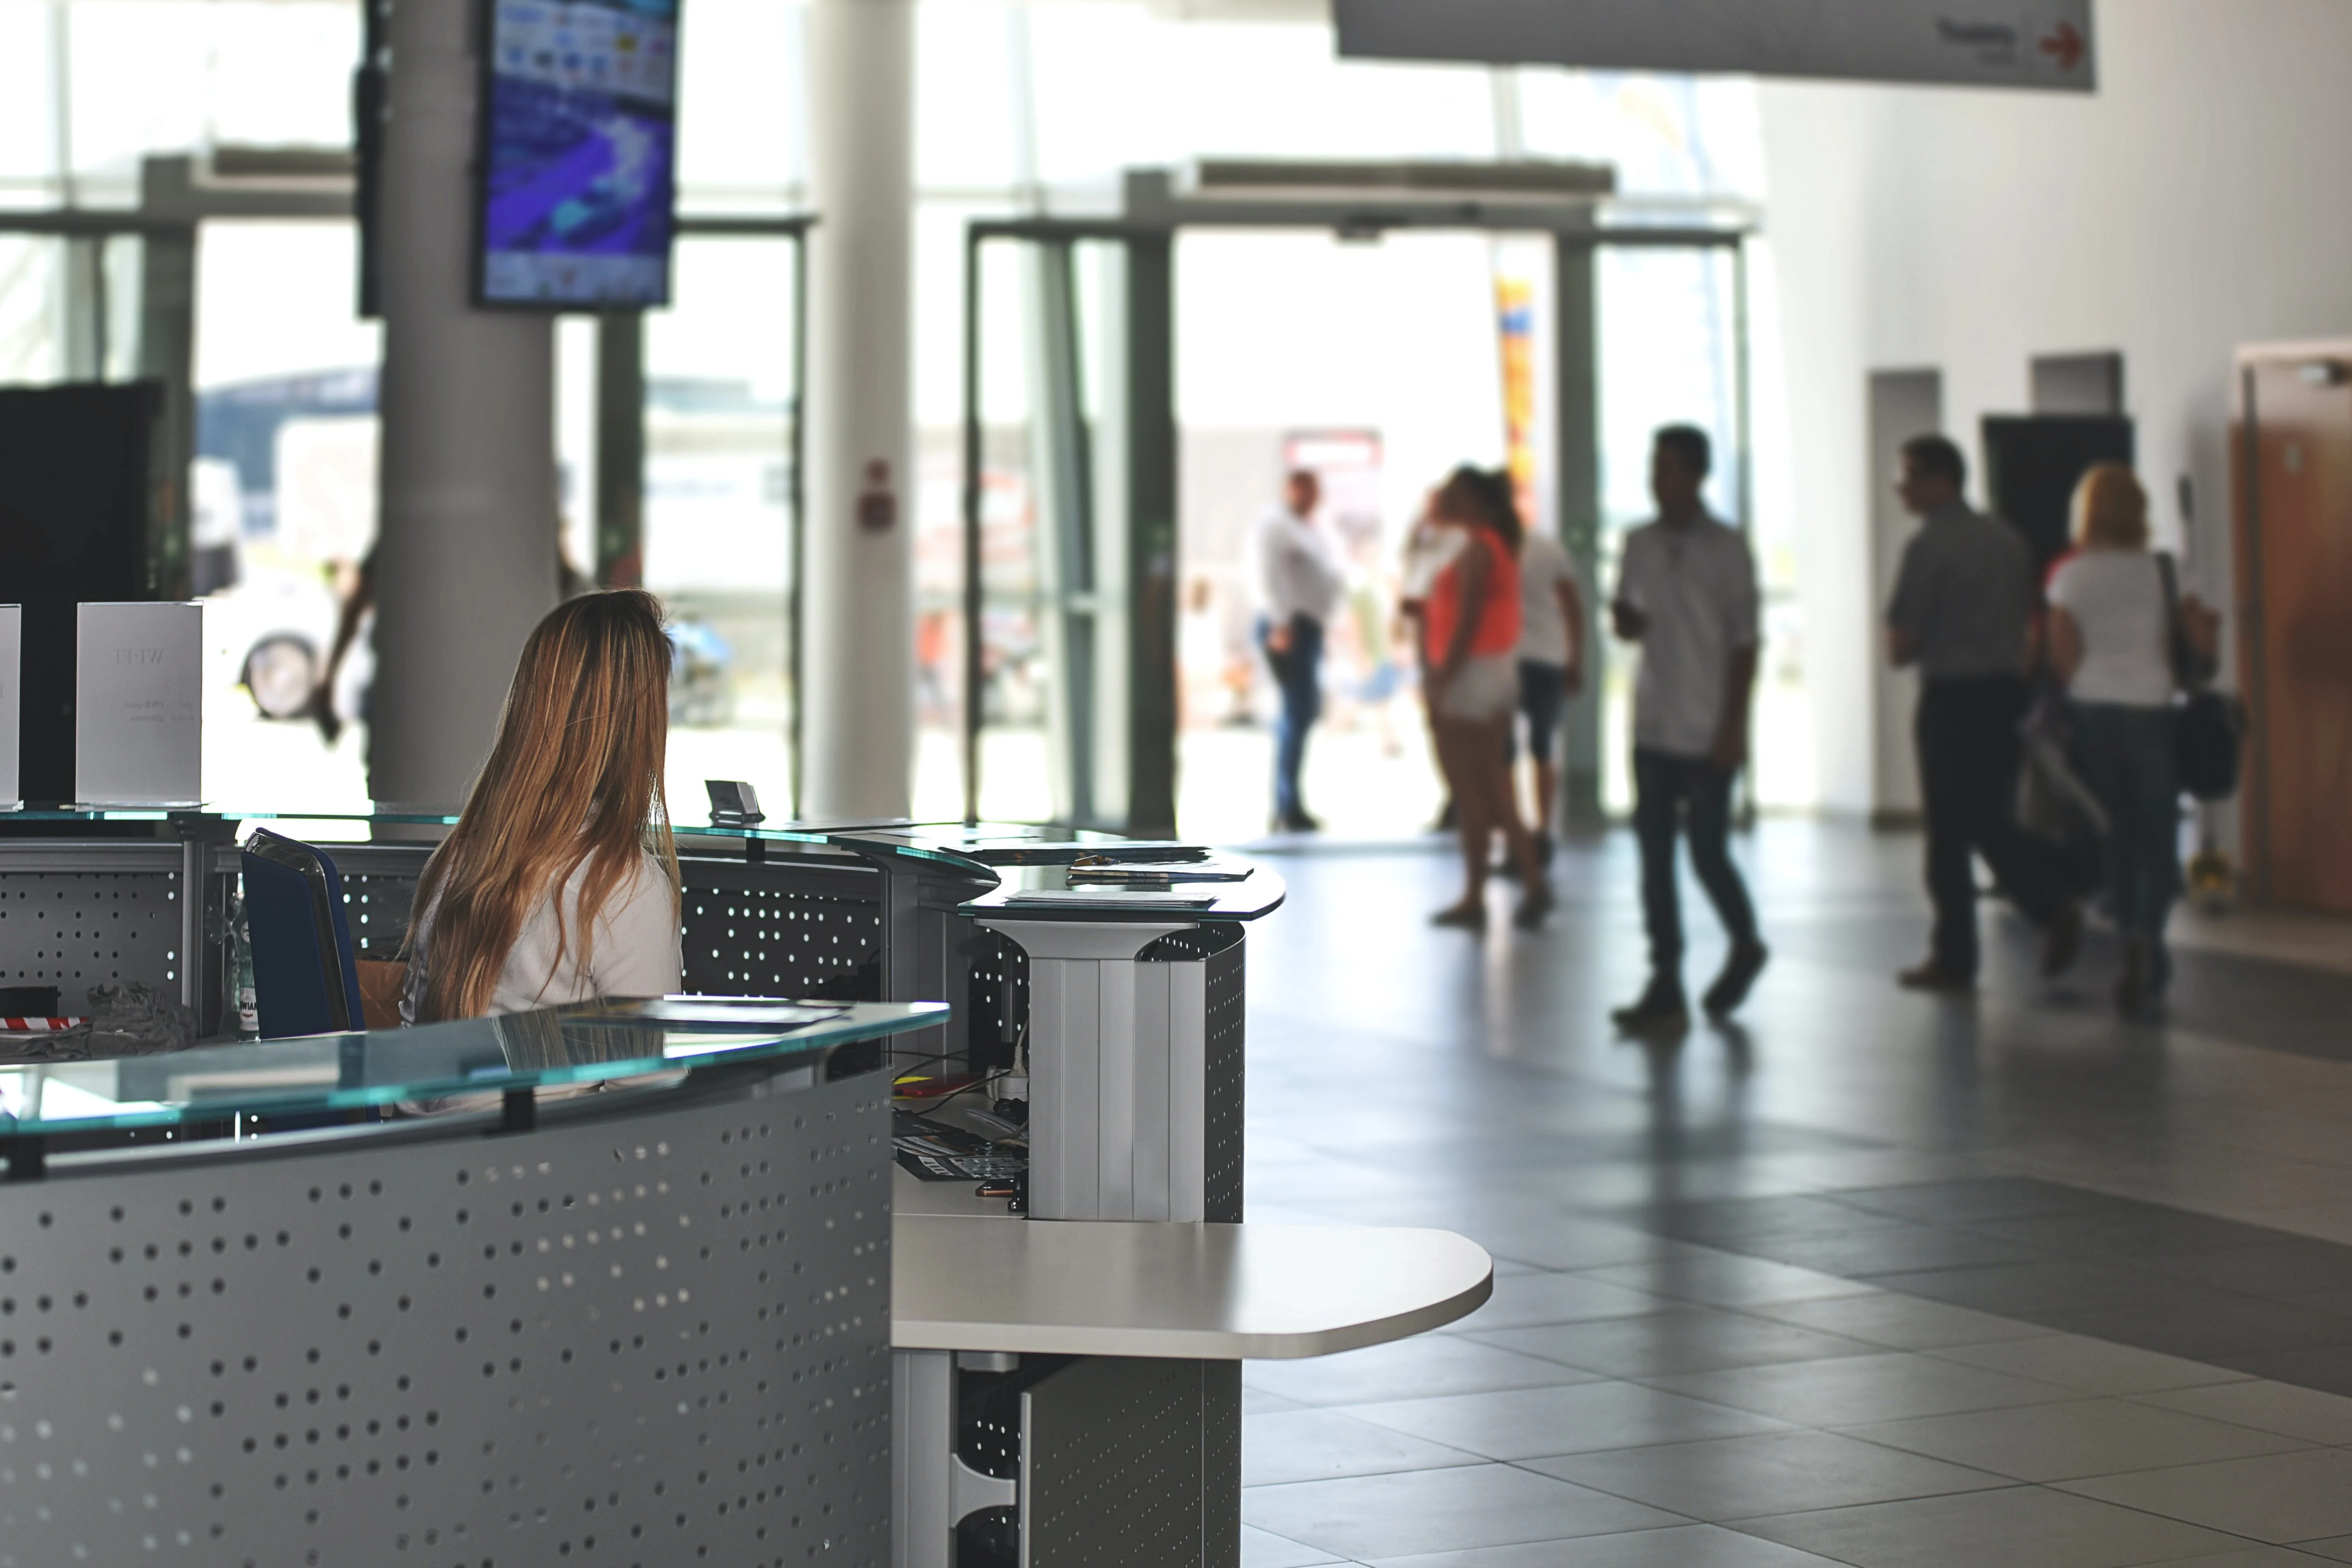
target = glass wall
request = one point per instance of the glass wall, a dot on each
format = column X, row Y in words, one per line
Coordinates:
column 1021, row 105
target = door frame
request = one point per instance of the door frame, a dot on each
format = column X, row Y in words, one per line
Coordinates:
column 1155, row 212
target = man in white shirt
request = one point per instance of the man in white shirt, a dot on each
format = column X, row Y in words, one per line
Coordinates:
column 1686, row 593
column 1551, row 663
column 1298, row 581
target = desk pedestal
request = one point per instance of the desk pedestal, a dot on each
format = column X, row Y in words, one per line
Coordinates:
column 1067, row 1461
column 1135, row 1069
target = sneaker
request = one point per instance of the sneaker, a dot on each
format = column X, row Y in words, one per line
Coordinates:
column 1739, row 972
column 1661, row 1007
column 1934, row 977
column 2062, row 939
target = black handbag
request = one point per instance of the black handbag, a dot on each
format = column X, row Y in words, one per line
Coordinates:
column 2209, row 728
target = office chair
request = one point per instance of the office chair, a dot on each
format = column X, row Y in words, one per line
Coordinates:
column 304, row 979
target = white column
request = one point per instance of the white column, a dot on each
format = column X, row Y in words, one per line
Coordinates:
column 859, row 717
column 466, row 557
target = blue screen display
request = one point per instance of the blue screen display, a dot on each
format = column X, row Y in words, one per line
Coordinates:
column 580, row 137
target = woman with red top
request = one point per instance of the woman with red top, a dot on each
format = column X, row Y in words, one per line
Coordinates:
column 1471, row 639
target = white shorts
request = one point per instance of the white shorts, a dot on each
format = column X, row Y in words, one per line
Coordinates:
column 1482, row 688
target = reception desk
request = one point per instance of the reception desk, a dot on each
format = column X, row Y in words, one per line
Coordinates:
column 599, row 1287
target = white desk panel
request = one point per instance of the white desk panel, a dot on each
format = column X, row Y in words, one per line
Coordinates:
column 1205, row 1292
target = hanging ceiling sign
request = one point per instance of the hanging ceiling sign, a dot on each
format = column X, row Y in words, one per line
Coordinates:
column 1979, row 43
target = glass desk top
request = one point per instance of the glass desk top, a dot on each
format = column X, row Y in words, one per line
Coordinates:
column 609, row 1038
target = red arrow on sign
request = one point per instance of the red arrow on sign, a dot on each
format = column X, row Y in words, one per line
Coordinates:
column 2064, row 46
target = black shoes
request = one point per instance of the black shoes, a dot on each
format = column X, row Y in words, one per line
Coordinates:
column 1739, row 972
column 2062, row 939
column 1460, row 917
column 1298, row 822
column 1933, row 976
column 1661, row 1009
column 1533, row 907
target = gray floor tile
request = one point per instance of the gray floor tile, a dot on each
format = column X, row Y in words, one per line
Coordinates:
column 1441, row 1510
column 2093, row 1365
column 1781, row 1472
column 1417, row 1368
column 1964, row 1202
column 2024, row 1527
column 1526, row 1424
column 2266, row 1406
column 1850, row 1390
column 1263, row 1549
column 1697, row 1339
column 2336, row 1549
column 2079, row 1438
column 2283, row 1498
column 2300, row 1556
column 1685, row 1546
column 1900, row 1323
column 1317, row 1444
column 1526, row 1299
column 1726, row 1279
column 1864, row 1253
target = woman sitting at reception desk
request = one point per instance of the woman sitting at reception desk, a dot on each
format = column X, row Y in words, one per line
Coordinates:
column 559, row 881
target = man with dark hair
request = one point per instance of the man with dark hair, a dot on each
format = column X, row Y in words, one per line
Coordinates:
column 1686, row 593
column 1962, row 612
column 1298, row 581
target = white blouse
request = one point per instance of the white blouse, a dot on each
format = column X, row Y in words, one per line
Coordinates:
column 639, row 949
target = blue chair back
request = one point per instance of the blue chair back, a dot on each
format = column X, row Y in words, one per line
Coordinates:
column 304, row 979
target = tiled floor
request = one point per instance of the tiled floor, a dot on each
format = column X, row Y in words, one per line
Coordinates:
column 1864, row 1279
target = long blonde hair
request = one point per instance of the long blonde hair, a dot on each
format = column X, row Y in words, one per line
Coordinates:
column 574, row 778
column 2110, row 508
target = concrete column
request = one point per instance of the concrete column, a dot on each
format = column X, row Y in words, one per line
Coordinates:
column 859, row 595
column 466, row 559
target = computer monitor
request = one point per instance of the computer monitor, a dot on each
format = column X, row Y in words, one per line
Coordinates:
column 575, row 156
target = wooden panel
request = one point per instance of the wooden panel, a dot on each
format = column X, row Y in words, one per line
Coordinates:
column 2295, row 622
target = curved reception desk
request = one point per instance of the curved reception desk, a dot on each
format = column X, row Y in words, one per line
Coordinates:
column 595, row 1285
column 671, row 1282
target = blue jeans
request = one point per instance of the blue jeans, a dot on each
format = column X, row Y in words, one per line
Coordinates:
column 1298, row 672
column 2125, row 755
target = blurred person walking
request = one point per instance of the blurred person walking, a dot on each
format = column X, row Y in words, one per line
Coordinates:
column 1471, row 640
column 1686, row 593
column 1298, row 581
column 2123, row 639
column 1962, row 612
column 1551, row 665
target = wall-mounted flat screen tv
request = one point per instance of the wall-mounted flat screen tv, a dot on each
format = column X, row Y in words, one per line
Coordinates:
column 576, row 154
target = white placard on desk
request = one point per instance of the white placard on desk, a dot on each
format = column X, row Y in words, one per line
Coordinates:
column 139, row 691
column 12, row 701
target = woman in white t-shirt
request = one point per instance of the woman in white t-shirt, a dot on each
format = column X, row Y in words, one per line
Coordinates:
column 2111, row 641
column 559, row 881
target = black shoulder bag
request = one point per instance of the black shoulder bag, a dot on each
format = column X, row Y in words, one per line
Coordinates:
column 2210, row 726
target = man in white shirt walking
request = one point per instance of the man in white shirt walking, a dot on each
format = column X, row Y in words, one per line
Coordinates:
column 1686, row 593
column 1298, row 582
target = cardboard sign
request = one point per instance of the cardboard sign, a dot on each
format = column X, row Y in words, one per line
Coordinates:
column 2041, row 43
column 12, row 701
column 139, row 693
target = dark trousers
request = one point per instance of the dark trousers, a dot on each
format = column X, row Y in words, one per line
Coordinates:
column 1969, row 758
column 2125, row 756
column 1298, row 673
column 1672, row 792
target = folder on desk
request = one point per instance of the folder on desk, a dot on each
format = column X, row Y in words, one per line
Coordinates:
column 1109, row 898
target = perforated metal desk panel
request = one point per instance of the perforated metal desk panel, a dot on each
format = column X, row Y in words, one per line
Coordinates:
column 647, row 1325
column 850, row 912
